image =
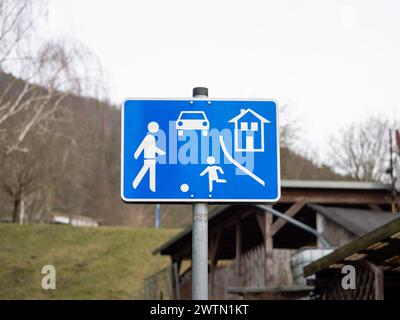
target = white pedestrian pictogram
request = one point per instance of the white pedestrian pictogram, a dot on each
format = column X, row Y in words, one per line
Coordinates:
column 212, row 173
column 149, row 147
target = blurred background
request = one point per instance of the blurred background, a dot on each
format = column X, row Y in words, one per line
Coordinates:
column 66, row 66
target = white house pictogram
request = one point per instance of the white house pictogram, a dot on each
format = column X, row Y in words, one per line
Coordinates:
column 249, row 131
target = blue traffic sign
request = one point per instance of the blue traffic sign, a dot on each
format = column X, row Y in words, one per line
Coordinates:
column 199, row 150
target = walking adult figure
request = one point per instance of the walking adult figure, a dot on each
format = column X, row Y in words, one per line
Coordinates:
column 149, row 147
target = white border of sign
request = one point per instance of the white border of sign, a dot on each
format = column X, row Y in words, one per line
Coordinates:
column 193, row 200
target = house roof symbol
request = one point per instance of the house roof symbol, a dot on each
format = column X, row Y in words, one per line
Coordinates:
column 243, row 112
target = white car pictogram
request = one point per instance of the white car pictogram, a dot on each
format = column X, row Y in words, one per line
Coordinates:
column 192, row 120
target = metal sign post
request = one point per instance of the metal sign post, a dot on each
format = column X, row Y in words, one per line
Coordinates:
column 158, row 216
column 199, row 151
column 200, row 237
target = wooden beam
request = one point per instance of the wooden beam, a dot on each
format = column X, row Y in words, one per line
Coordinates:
column 238, row 246
column 291, row 212
column 184, row 253
column 355, row 246
column 261, row 222
column 185, row 249
column 214, row 246
column 232, row 221
column 378, row 280
column 268, row 244
column 178, row 265
column 213, row 256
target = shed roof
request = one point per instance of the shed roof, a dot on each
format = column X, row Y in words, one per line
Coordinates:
column 326, row 184
column 356, row 221
column 380, row 246
column 292, row 190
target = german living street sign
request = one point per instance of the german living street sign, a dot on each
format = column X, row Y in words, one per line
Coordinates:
column 199, row 150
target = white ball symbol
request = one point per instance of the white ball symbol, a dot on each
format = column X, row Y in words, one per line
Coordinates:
column 184, row 187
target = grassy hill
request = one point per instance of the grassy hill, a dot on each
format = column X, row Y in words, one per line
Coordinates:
column 91, row 263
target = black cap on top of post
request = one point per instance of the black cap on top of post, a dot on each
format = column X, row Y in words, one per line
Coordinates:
column 200, row 91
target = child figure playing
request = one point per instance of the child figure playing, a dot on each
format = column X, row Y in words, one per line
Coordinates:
column 212, row 173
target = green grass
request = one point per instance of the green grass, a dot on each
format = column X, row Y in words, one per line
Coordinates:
column 91, row 263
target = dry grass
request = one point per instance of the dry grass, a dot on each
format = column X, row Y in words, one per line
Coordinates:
column 91, row 263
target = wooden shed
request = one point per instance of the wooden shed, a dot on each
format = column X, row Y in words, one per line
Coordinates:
column 376, row 260
column 251, row 251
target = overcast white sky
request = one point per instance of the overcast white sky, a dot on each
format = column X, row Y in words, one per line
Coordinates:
column 331, row 62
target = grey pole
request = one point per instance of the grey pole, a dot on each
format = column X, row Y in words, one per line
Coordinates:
column 200, row 237
column 297, row 223
column 158, row 216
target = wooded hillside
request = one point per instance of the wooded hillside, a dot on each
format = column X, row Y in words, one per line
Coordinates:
column 71, row 165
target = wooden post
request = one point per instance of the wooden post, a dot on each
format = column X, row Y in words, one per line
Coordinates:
column 291, row 212
column 238, row 250
column 379, row 287
column 268, row 243
column 261, row 222
column 178, row 264
column 213, row 254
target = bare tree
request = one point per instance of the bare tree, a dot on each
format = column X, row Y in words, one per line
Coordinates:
column 46, row 142
column 39, row 126
column 50, row 71
column 32, row 111
column 289, row 127
column 20, row 177
column 17, row 22
column 47, row 79
column 362, row 150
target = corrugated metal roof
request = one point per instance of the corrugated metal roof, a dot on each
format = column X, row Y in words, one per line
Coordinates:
column 320, row 184
column 356, row 221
